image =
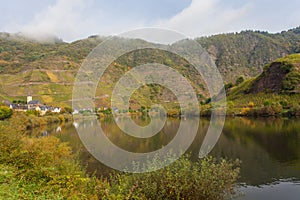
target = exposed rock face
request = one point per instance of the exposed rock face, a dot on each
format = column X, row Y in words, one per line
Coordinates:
column 270, row 80
column 281, row 76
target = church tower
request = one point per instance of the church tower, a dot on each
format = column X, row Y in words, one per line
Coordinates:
column 29, row 97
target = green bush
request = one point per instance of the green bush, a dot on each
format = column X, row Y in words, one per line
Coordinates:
column 40, row 168
column 33, row 112
column 68, row 110
column 291, row 81
column 5, row 112
column 228, row 86
column 205, row 179
column 294, row 111
column 270, row 109
column 284, row 103
column 267, row 102
column 239, row 80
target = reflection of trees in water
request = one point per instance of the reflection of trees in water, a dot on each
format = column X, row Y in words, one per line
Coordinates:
column 279, row 137
column 268, row 147
column 133, row 144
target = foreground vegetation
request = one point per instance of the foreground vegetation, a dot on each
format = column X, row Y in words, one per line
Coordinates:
column 45, row 168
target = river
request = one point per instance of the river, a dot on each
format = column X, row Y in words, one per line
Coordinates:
column 269, row 149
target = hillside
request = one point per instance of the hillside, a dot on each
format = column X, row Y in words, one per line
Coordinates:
column 279, row 77
column 278, row 85
column 246, row 53
column 48, row 69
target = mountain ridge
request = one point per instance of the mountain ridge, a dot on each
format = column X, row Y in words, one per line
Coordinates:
column 49, row 69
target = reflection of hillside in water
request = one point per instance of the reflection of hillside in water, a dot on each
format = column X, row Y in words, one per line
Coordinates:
column 269, row 148
column 120, row 150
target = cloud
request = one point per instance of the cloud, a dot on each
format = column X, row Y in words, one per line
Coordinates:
column 74, row 19
column 206, row 17
column 64, row 18
column 203, row 17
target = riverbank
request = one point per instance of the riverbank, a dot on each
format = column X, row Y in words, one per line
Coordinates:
column 45, row 168
column 31, row 120
column 268, row 109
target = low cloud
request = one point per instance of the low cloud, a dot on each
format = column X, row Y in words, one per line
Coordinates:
column 74, row 19
column 206, row 18
column 65, row 19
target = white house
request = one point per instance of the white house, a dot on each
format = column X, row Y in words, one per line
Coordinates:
column 56, row 110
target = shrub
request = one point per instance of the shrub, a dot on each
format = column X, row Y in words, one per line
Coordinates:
column 267, row 102
column 5, row 112
column 228, row 86
column 291, row 81
column 239, row 80
column 284, row 104
column 45, row 168
column 245, row 111
column 33, row 112
column 251, row 104
column 205, row 179
column 9, row 143
column 271, row 110
column 61, row 118
column 68, row 110
column 48, row 113
column 41, row 168
column 294, row 111
column 230, row 104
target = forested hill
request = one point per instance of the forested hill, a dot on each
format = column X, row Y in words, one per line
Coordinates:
column 48, row 69
column 247, row 52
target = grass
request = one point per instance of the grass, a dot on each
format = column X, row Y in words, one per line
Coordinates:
column 259, row 99
column 13, row 188
column 240, row 90
column 293, row 59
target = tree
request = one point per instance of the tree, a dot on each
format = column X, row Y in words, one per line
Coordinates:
column 32, row 112
column 251, row 104
column 67, row 110
column 5, row 112
column 239, row 80
column 228, row 86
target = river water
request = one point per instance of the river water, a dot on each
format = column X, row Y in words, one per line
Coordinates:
column 269, row 149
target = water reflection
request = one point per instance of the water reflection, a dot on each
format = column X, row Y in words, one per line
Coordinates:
column 269, row 148
column 284, row 189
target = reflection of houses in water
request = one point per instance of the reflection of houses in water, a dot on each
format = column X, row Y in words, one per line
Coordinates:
column 58, row 129
column 82, row 110
column 85, row 123
column 75, row 124
column 44, row 133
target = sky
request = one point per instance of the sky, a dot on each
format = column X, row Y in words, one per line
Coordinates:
column 76, row 19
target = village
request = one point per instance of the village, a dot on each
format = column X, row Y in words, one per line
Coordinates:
column 34, row 105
